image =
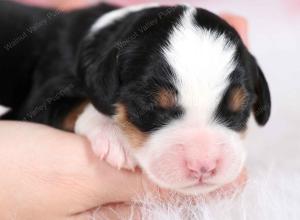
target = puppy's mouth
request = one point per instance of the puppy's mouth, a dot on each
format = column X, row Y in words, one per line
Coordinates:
column 208, row 187
column 199, row 183
column 199, row 187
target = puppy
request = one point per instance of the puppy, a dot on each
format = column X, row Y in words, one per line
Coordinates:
column 168, row 89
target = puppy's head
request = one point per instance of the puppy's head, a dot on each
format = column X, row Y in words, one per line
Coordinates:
column 182, row 91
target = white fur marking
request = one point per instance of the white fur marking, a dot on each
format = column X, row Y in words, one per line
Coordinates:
column 115, row 15
column 202, row 62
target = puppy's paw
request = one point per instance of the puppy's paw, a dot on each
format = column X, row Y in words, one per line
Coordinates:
column 110, row 147
column 106, row 138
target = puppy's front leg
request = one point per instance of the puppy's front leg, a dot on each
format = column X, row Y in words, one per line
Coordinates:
column 105, row 136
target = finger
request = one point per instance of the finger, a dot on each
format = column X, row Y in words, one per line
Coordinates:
column 70, row 5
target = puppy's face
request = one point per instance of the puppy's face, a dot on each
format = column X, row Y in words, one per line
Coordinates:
column 182, row 92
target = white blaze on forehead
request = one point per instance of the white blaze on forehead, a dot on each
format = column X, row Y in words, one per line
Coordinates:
column 112, row 16
column 202, row 61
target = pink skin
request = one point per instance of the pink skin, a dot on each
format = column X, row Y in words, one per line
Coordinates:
column 201, row 161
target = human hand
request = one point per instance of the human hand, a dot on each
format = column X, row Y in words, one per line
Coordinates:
column 50, row 174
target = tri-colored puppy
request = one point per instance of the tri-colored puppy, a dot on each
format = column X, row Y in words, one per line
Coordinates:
column 169, row 89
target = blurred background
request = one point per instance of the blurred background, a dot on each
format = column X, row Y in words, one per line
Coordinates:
column 274, row 38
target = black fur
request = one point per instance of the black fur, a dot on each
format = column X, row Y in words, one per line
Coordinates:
column 38, row 74
column 50, row 71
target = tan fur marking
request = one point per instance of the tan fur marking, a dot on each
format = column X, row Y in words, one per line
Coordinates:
column 166, row 99
column 70, row 119
column 237, row 99
column 135, row 136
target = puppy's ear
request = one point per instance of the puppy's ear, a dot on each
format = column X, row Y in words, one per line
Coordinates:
column 98, row 71
column 262, row 104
